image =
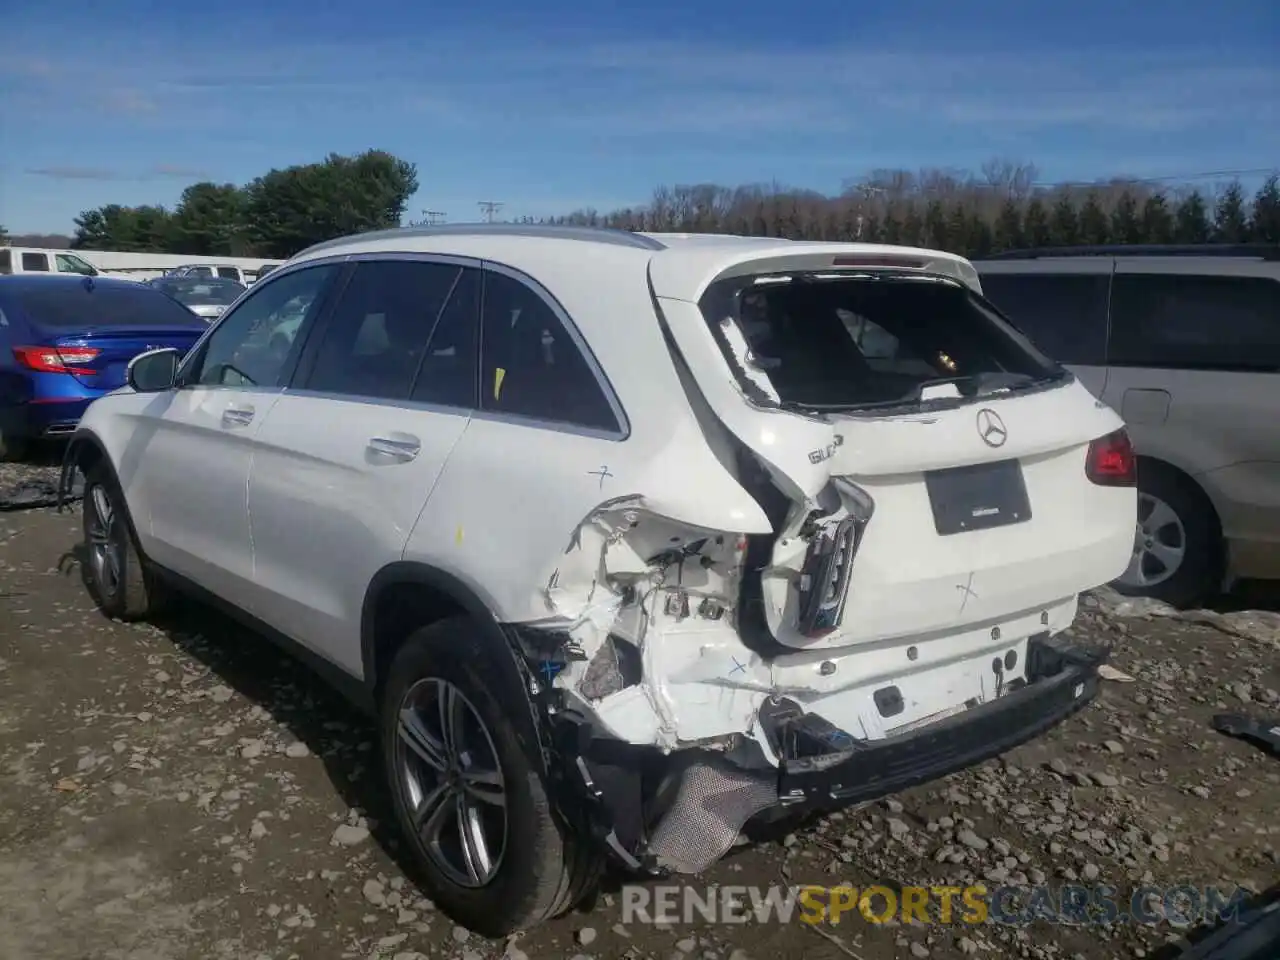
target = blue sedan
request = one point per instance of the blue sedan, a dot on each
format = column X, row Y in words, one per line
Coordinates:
column 67, row 340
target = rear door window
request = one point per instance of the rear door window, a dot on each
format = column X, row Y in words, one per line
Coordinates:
column 1195, row 322
column 35, row 263
column 1064, row 314
column 229, row 273
column 532, row 365
column 839, row 343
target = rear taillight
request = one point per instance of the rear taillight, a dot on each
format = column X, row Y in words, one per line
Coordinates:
column 55, row 359
column 1111, row 461
column 824, row 579
column 873, row 260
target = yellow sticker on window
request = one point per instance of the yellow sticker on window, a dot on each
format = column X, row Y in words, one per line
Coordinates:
column 498, row 374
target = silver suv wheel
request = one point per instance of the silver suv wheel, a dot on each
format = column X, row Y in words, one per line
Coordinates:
column 452, row 781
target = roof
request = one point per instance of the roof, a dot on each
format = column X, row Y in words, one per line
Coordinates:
column 18, row 282
column 681, row 266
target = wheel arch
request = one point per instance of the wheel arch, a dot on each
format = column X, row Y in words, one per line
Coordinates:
column 408, row 594
column 84, row 449
column 1183, row 477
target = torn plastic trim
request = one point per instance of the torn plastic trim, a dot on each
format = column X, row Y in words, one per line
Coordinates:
column 628, row 576
column 595, row 779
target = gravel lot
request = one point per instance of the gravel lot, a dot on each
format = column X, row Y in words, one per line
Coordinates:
column 186, row 791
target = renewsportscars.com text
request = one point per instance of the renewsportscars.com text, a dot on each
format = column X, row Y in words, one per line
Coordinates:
column 1180, row 906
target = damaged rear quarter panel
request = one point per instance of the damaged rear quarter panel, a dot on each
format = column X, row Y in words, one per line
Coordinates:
column 579, row 555
column 539, row 520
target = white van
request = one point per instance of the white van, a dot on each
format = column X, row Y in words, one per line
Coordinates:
column 34, row 260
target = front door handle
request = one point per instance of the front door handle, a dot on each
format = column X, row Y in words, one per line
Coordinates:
column 403, row 448
column 237, row 416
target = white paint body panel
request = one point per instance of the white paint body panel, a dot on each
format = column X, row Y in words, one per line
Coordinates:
column 290, row 519
column 328, row 512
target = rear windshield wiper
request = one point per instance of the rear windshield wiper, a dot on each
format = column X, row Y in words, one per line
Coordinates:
column 968, row 387
column 978, row 384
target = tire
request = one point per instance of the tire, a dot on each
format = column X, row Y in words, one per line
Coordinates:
column 1164, row 494
column 114, row 571
column 539, row 869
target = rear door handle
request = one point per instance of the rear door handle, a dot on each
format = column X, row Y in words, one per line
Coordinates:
column 237, row 416
column 402, row 448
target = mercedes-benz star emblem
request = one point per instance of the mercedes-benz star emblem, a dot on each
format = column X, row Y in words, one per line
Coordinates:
column 991, row 428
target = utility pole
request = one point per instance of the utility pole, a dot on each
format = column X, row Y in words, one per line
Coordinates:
column 867, row 192
column 434, row 217
column 490, row 207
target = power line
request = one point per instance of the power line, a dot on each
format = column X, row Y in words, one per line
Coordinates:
column 433, row 217
column 1168, row 178
column 490, row 208
column 865, row 189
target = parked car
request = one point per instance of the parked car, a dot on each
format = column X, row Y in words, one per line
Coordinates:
column 1184, row 342
column 204, row 298
column 208, row 271
column 626, row 544
column 67, row 340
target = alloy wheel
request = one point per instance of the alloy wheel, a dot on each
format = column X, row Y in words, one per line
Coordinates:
column 1159, row 544
column 105, row 542
column 452, row 780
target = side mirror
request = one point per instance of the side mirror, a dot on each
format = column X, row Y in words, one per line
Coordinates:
column 154, row 371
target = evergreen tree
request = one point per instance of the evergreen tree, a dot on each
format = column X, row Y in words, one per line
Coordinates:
column 959, row 230
column 1157, row 221
column 1065, row 224
column 912, row 226
column 1264, row 225
column 1191, row 220
column 1126, row 227
column 1035, row 224
column 1230, row 221
column 1095, row 228
column 935, row 227
column 891, row 226
column 1008, row 227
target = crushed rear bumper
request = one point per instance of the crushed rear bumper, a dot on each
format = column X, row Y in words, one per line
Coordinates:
column 1061, row 678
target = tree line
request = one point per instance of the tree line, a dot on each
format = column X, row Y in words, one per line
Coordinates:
column 274, row 216
column 1002, row 207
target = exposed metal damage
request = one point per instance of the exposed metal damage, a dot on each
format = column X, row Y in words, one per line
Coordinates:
column 669, row 733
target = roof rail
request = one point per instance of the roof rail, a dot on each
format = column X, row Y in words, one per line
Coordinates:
column 1260, row 251
column 622, row 238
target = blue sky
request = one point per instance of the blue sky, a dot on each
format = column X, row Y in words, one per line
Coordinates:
column 552, row 106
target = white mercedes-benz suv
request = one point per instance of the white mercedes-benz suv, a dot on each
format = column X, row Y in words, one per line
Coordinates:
column 630, row 542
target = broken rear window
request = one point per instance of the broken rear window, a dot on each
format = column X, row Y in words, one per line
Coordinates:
column 829, row 342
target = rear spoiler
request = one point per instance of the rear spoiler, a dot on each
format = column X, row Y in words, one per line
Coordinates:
column 689, row 275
